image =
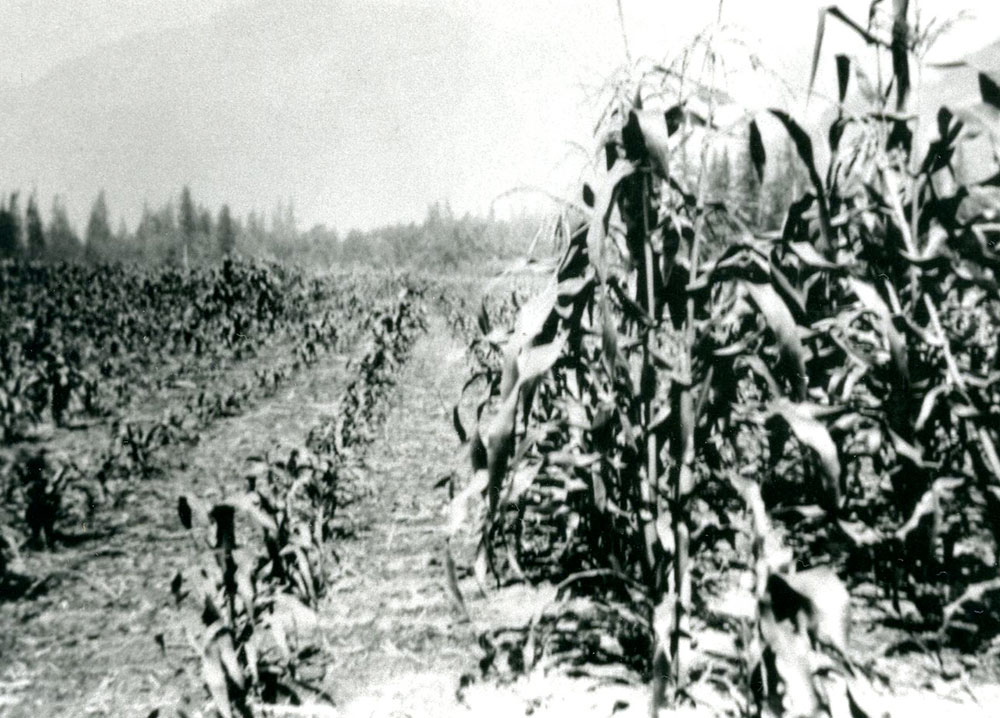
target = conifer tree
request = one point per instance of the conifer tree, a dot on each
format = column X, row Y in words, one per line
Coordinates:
column 34, row 232
column 225, row 232
column 98, row 244
column 63, row 243
column 10, row 228
column 188, row 224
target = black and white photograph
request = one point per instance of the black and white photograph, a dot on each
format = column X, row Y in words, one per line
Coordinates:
column 468, row 359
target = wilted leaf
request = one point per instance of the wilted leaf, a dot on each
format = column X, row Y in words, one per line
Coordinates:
column 814, row 434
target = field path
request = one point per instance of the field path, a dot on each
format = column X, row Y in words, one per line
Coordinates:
column 396, row 646
column 87, row 644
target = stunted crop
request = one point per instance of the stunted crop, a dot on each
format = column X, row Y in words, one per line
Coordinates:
column 251, row 606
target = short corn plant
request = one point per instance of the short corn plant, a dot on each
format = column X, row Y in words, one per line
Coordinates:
column 365, row 402
column 251, row 606
column 50, row 493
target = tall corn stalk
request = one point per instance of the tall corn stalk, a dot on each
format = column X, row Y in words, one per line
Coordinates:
column 663, row 383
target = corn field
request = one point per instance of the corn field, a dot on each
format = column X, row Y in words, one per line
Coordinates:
column 718, row 452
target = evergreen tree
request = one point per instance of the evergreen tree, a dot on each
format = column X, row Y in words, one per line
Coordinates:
column 63, row 243
column 10, row 228
column 188, row 224
column 98, row 246
column 204, row 222
column 35, row 233
column 225, row 232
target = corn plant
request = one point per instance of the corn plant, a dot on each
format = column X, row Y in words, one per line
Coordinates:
column 670, row 387
column 250, row 618
column 44, row 492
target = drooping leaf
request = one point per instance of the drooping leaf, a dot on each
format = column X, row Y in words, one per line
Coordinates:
column 456, row 421
column 873, row 301
column 989, row 90
column 843, row 75
column 814, row 434
column 800, row 138
column 676, row 115
column 928, row 508
column 598, row 228
column 227, row 656
column 533, row 316
column 810, row 257
column 646, row 136
column 899, row 48
column 535, row 361
column 789, row 653
column 214, row 677
column 451, row 574
column 821, row 595
column 782, row 324
column 973, row 593
column 817, row 46
column 522, row 479
column 499, row 445
column 927, row 405
column 758, row 155
column 804, row 149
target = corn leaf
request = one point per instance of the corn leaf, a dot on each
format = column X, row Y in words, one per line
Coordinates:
column 781, row 322
column 758, row 155
column 814, row 434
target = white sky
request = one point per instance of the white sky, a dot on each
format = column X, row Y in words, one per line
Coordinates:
column 460, row 117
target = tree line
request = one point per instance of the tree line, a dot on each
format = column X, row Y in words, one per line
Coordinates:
column 185, row 233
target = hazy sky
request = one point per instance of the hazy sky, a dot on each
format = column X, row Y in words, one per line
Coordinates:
column 362, row 111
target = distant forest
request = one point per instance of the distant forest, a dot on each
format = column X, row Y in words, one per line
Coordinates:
column 183, row 232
